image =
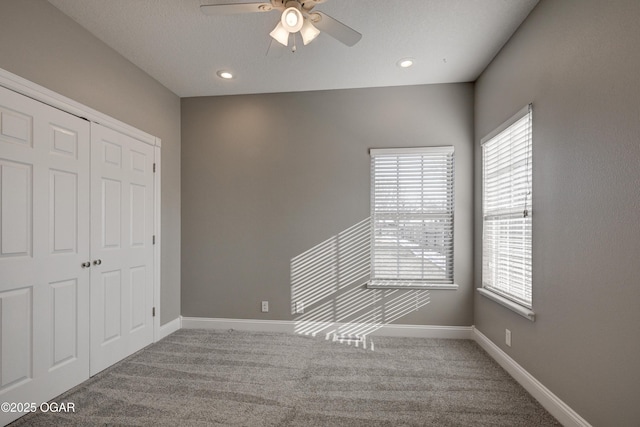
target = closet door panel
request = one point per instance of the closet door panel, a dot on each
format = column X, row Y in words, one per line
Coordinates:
column 122, row 282
column 16, row 213
column 44, row 239
column 16, row 318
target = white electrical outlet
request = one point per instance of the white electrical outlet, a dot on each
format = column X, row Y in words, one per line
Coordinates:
column 299, row 307
column 265, row 306
column 507, row 337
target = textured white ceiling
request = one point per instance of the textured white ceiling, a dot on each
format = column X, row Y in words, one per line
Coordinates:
column 451, row 41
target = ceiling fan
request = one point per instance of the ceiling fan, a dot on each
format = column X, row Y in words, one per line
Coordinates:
column 296, row 16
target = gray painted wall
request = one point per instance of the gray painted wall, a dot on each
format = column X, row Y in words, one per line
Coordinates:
column 578, row 62
column 267, row 177
column 40, row 44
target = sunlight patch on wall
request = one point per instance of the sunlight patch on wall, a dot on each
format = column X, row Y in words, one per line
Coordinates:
column 329, row 281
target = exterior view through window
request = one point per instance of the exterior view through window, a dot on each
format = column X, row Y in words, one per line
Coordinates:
column 507, row 209
column 412, row 217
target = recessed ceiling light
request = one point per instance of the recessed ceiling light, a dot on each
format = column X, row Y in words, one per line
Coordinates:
column 405, row 63
column 223, row 74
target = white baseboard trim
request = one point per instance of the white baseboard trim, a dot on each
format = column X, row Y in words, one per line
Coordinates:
column 289, row 326
column 169, row 328
column 254, row 325
column 552, row 403
column 425, row 331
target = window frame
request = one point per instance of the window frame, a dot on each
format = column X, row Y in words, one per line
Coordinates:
column 448, row 154
column 510, row 300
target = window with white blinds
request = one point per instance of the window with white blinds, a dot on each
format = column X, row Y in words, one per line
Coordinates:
column 412, row 217
column 507, row 208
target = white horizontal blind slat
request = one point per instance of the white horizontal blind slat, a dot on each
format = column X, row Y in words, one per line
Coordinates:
column 506, row 196
column 412, row 215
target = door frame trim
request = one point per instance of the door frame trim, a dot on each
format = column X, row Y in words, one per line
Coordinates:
column 42, row 94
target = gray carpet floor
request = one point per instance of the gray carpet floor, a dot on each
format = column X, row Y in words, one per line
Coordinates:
column 234, row 378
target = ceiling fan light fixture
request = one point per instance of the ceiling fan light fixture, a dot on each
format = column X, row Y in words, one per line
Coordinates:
column 292, row 19
column 308, row 32
column 280, row 34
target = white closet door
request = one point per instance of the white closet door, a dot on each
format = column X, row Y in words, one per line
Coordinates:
column 121, row 242
column 44, row 240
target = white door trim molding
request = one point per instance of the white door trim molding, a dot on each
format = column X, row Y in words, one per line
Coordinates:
column 552, row 403
column 42, row 94
column 169, row 328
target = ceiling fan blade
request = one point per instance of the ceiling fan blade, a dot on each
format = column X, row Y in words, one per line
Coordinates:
column 335, row 29
column 233, row 9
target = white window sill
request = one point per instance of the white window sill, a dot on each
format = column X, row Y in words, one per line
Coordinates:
column 515, row 307
column 408, row 285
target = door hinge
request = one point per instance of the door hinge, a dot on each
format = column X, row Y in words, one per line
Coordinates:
column 154, row 239
column 153, row 312
column 154, row 168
